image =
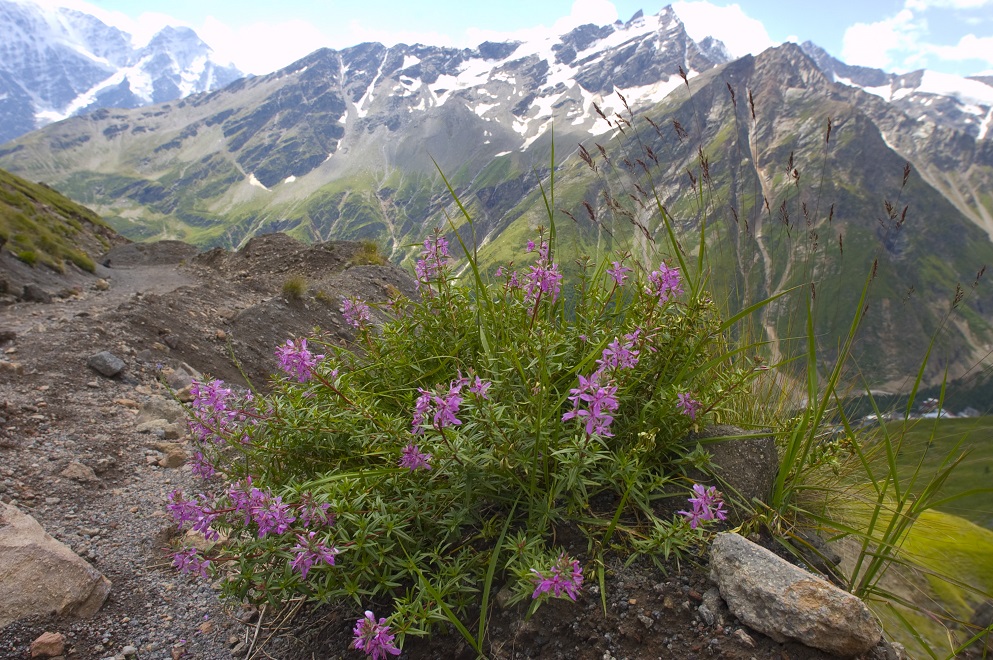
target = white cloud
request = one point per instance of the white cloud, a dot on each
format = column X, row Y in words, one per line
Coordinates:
column 922, row 5
column 874, row 44
column 261, row 47
column 969, row 47
column 903, row 41
column 598, row 12
column 739, row 32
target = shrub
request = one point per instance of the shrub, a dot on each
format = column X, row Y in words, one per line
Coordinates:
column 30, row 257
column 295, row 287
column 479, row 419
column 369, row 255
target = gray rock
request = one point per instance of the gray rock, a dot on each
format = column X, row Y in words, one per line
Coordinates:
column 106, row 363
column 39, row 575
column 774, row 597
column 34, row 293
column 748, row 465
column 79, row 472
column 162, row 409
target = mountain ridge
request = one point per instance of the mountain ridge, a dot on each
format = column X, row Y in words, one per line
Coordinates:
column 57, row 62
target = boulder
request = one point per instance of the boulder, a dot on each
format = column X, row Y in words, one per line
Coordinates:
column 34, row 293
column 48, row 645
column 106, row 363
column 778, row 599
column 40, row 576
column 748, row 465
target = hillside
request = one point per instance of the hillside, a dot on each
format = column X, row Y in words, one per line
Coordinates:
column 45, row 237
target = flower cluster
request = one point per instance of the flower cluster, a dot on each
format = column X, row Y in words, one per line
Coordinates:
column 593, row 402
column 434, row 259
column 373, row 638
column 618, row 272
column 664, row 284
column 355, row 311
column 296, row 360
column 687, row 405
column 215, row 414
column 412, row 458
column 707, row 505
column 543, row 279
column 192, row 562
column 309, row 551
column 565, row 577
column 442, row 407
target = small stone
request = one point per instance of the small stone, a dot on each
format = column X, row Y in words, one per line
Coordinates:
column 706, row 615
column 48, row 645
column 106, row 363
column 647, row 621
column 744, row 638
column 94, row 384
column 240, row 650
column 129, row 651
column 101, row 285
column 12, row 367
column 220, row 335
column 79, row 472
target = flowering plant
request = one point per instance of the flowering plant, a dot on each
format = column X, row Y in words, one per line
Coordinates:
column 497, row 410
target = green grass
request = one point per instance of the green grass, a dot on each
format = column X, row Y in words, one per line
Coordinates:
column 40, row 226
column 930, row 441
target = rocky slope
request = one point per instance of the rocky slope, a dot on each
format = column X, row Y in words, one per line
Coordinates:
column 58, row 62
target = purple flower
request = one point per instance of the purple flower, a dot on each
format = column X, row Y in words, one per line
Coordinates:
column 618, row 356
column 273, row 516
column 189, row 561
column 413, row 458
column 311, row 511
column 296, row 360
column 530, row 247
column 355, row 311
column 498, row 272
column 664, row 283
column 687, row 405
column 618, row 273
column 201, row 466
column 707, row 505
column 434, row 259
column 564, row 577
column 212, row 417
column 373, row 638
column 421, row 409
column 480, row 388
column 594, row 402
column 190, row 511
column 543, row 279
column 309, row 552
column 446, row 408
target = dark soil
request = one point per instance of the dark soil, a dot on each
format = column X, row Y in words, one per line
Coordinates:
column 167, row 307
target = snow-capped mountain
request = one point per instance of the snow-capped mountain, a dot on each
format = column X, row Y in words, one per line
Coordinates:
column 926, row 96
column 55, row 63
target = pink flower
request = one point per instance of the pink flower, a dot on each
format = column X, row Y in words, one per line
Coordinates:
column 707, row 505
column 565, row 577
column 688, row 405
column 373, row 638
column 413, row 459
column 355, row 311
column 664, row 283
column 310, row 551
column 296, row 360
column 618, row 272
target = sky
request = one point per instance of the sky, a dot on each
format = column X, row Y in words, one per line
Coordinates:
column 951, row 36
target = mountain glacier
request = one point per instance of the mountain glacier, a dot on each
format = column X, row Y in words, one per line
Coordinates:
column 60, row 62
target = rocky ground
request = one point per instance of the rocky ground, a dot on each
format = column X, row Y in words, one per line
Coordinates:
column 92, row 458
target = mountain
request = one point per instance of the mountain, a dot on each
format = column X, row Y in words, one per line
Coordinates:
column 965, row 104
column 347, row 145
column 59, row 62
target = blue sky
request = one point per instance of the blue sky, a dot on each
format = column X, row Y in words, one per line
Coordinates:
column 953, row 36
